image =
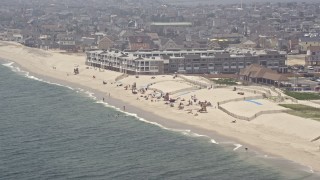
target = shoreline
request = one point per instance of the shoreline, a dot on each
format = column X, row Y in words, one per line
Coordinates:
column 147, row 114
column 170, row 125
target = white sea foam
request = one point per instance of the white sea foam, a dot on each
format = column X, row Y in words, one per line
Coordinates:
column 310, row 169
column 237, row 146
column 91, row 95
column 213, row 141
column 27, row 75
column 8, row 64
column 13, row 68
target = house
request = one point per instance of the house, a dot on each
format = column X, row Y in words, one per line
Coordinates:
column 124, row 35
column 169, row 44
column 139, row 42
column 30, row 42
column 66, row 42
column 213, row 45
column 154, row 38
column 313, row 56
column 248, row 44
column 305, row 42
column 258, row 74
column 105, row 43
column 293, row 44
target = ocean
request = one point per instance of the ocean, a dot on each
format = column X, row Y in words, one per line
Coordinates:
column 48, row 131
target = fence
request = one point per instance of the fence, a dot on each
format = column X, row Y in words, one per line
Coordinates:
column 244, row 117
column 233, row 115
column 275, row 91
column 266, row 89
column 183, row 90
column 288, row 97
column 240, row 99
column 197, row 83
column 245, row 90
column 122, row 76
column 157, row 90
column 252, row 117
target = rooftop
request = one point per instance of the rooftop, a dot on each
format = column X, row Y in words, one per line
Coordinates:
column 171, row 23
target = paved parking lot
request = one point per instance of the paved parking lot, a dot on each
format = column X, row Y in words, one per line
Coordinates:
column 304, row 81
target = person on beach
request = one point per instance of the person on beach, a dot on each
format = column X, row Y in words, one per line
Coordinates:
column 124, row 108
column 103, row 99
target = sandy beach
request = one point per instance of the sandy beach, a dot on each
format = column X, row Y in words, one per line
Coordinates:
column 278, row 134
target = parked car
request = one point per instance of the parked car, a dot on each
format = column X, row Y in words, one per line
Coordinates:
column 313, row 79
column 310, row 68
column 307, row 75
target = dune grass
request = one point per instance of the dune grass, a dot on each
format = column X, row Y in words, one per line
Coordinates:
column 225, row 81
column 303, row 95
column 303, row 111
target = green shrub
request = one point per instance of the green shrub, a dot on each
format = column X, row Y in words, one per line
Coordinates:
column 303, row 95
column 227, row 81
column 303, row 111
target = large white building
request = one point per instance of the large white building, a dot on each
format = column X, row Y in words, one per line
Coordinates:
column 185, row 61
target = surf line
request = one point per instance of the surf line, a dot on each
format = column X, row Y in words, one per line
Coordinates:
column 27, row 75
column 185, row 132
column 237, row 146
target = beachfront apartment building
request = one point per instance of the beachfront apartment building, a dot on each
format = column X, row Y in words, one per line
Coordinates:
column 186, row 61
column 125, row 62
